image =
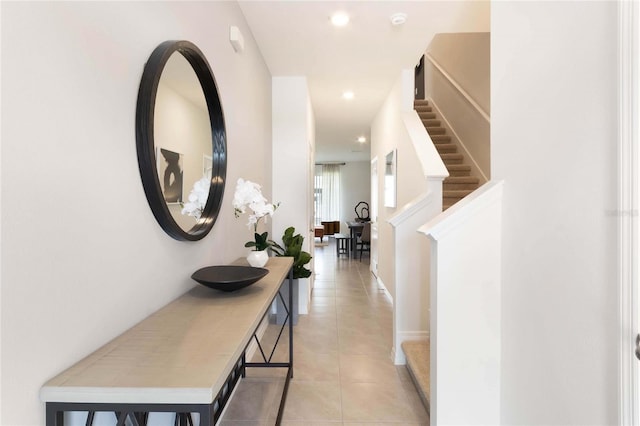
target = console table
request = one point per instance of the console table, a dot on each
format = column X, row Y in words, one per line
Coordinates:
column 185, row 358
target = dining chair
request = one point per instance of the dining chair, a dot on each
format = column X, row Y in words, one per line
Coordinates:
column 364, row 239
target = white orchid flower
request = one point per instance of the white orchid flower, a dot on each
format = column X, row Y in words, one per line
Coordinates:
column 248, row 196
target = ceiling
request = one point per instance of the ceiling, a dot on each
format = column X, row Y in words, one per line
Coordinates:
column 296, row 38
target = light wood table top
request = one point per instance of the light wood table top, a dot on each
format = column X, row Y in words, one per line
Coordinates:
column 181, row 354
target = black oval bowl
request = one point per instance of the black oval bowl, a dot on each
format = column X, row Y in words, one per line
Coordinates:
column 228, row 277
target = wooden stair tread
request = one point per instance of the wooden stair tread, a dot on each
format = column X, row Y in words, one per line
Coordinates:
column 462, row 179
column 418, row 364
column 459, row 167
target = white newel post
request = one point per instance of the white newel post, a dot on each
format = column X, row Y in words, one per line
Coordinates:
column 411, row 275
column 465, row 335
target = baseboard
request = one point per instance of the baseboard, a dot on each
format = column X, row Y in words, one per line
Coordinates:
column 386, row 292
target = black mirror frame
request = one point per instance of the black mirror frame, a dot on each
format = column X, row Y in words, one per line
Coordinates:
column 145, row 141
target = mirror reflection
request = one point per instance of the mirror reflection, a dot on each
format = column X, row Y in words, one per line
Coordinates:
column 182, row 133
column 390, row 179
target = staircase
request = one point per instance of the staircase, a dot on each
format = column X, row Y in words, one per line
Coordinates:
column 417, row 354
column 460, row 183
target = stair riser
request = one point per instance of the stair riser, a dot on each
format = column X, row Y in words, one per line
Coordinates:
column 473, row 180
column 446, row 148
column 451, row 158
column 431, row 123
column 441, row 138
column 458, row 173
column 459, row 186
column 427, row 115
column 436, row 130
column 450, row 200
column 456, row 194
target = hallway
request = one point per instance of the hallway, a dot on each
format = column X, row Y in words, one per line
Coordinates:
column 343, row 374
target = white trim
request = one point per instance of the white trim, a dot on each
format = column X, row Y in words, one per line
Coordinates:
column 416, row 205
column 464, row 93
column 386, row 292
column 460, row 211
column 427, row 153
column 628, row 164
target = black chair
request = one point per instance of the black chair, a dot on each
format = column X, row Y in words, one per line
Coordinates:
column 363, row 241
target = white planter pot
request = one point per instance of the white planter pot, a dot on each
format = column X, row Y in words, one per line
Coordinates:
column 281, row 312
column 258, row 259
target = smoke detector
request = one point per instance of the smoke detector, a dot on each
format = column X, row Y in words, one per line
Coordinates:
column 398, row 18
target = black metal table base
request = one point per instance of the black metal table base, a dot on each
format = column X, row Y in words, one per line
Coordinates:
column 209, row 414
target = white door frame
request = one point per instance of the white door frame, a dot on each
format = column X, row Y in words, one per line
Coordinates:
column 627, row 213
column 373, row 214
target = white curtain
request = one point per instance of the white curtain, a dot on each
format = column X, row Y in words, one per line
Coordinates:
column 330, row 192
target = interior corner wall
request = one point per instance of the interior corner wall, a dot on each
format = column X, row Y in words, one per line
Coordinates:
column 83, row 258
column 387, row 133
column 553, row 133
column 355, row 186
column 292, row 163
column 466, row 57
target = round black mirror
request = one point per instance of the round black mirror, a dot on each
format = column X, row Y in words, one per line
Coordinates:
column 183, row 172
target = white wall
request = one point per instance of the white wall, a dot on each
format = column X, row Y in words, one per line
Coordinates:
column 457, row 68
column 467, row 58
column 182, row 126
column 553, row 142
column 293, row 130
column 355, row 186
column 388, row 132
column 83, row 258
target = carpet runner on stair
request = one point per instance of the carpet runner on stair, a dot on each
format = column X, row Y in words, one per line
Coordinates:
column 460, row 183
column 418, row 358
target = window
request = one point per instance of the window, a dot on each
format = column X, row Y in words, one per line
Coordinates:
column 326, row 194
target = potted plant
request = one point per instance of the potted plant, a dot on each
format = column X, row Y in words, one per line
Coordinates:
column 292, row 247
column 248, row 196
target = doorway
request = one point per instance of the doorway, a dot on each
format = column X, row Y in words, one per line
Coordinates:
column 373, row 247
column 419, row 79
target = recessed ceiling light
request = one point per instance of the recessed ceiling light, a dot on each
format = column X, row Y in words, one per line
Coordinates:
column 348, row 95
column 398, row 18
column 339, row 19
column 362, row 139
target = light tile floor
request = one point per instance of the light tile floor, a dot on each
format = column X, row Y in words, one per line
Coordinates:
column 343, row 374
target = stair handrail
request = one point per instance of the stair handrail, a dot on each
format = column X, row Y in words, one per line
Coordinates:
column 459, row 88
column 457, row 213
column 432, row 165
